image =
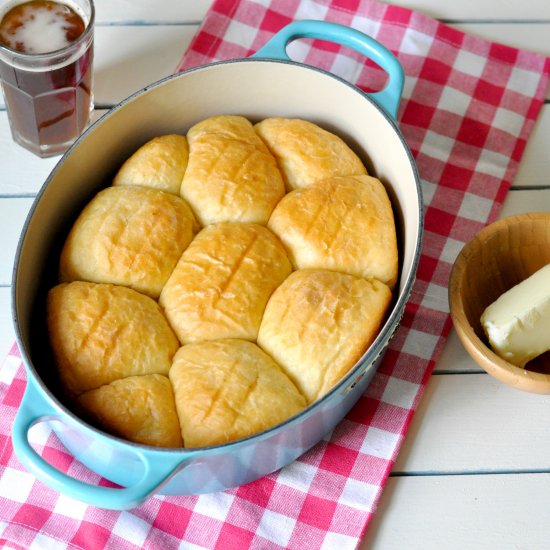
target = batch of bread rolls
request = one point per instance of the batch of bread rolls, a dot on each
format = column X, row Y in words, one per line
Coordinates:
column 222, row 282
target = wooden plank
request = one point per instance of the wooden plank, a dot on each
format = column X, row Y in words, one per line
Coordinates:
column 117, row 11
column 503, row 512
column 474, row 423
column 534, row 168
column 13, row 212
column 526, row 36
column 131, row 57
column 23, row 173
column 522, row 200
column 7, row 336
column 488, row 10
column 454, row 358
column 145, row 11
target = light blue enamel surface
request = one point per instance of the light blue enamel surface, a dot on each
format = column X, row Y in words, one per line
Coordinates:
column 388, row 98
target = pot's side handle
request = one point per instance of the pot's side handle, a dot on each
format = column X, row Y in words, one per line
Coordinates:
column 35, row 408
column 388, row 98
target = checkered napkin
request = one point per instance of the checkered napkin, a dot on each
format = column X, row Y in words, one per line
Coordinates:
column 467, row 110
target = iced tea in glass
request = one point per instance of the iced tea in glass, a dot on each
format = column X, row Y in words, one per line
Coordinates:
column 46, row 53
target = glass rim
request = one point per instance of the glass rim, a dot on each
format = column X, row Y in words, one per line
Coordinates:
column 43, row 56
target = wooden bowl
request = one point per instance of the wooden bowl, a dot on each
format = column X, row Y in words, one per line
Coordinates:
column 500, row 256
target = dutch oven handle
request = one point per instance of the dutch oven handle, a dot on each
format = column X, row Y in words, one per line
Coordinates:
column 35, row 408
column 388, row 98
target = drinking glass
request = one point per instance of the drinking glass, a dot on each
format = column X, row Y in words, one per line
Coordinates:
column 48, row 96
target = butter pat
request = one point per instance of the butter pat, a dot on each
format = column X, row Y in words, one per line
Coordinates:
column 518, row 322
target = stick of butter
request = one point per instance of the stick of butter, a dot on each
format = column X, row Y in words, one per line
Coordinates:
column 518, row 322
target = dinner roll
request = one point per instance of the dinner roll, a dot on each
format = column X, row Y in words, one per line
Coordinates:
column 307, row 153
column 231, row 175
column 159, row 163
column 229, row 389
column 131, row 236
column 100, row 333
column 138, row 408
column 318, row 324
column 222, row 282
column 342, row 224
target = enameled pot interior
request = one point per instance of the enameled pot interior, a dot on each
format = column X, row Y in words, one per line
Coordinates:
column 254, row 88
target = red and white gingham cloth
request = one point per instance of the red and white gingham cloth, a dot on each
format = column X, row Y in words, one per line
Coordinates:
column 467, row 110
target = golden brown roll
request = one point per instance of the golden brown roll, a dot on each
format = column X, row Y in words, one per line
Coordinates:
column 100, row 333
column 342, row 224
column 231, row 175
column 232, row 127
column 317, row 325
column 138, row 408
column 131, row 236
column 229, row 389
column 306, row 152
column 160, row 163
column 222, row 282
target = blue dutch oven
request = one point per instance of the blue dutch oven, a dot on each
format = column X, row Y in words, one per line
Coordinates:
column 267, row 84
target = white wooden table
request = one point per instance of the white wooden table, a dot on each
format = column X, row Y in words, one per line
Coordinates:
column 474, row 471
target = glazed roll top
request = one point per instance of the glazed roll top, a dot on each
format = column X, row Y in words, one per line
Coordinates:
column 343, row 224
column 318, row 324
column 306, row 152
column 222, row 282
column 130, row 236
column 160, row 163
column 229, row 389
column 231, row 127
column 231, row 175
column 100, row 333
